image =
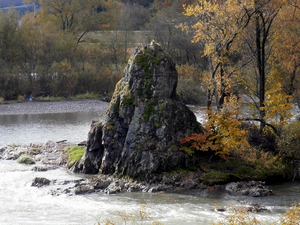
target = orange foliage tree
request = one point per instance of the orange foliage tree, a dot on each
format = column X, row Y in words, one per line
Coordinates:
column 223, row 132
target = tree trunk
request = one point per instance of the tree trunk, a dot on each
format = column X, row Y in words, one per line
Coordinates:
column 260, row 54
column 211, row 90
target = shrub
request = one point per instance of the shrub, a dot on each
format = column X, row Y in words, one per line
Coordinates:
column 223, row 132
column 289, row 141
column 291, row 216
column 265, row 142
column 270, row 168
column 125, row 218
column 243, row 216
column 20, row 98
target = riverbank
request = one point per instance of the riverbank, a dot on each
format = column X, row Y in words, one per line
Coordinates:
column 14, row 108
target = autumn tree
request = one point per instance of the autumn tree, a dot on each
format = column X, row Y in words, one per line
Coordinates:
column 265, row 14
column 216, row 25
column 222, row 135
column 76, row 16
column 9, row 44
column 32, row 41
column 286, row 55
column 10, row 54
column 260, row 77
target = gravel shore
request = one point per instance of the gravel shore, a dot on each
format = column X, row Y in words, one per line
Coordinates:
column 53, row 107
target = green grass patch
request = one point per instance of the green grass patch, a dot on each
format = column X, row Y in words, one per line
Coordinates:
column 20, row 99
column 86, row 96
column 74, row 153
column 49, row 99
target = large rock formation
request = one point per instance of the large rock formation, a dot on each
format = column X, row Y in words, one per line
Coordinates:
column 144, row 122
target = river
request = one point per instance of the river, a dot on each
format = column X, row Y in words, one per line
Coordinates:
column 23, row 204
column 26, row 205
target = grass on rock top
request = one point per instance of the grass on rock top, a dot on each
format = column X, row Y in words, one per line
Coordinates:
column 74, row 154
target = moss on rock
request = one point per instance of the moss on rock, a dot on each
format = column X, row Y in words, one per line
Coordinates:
column 74, row 153
column 25, row 159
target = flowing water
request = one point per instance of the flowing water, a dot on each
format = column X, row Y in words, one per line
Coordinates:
column 20, row 203
column 25, row 205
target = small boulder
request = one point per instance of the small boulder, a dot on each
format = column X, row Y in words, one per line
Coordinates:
column 40, row 181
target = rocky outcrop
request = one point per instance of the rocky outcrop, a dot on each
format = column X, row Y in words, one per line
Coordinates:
column 251, row 188
column 90, row 162
column 144, row 121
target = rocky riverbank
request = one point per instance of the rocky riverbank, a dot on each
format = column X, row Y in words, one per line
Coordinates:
column 50, row 155
column 13, row 108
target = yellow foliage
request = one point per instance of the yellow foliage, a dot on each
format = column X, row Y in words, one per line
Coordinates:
column 216, row 24
column 242, row 216
column 291, row 216
column 126, row 218
column 239, row 216
column 277, row 104
column 223, row 133
column 190, row 72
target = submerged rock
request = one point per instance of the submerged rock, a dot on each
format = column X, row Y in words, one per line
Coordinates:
column 144, row 121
